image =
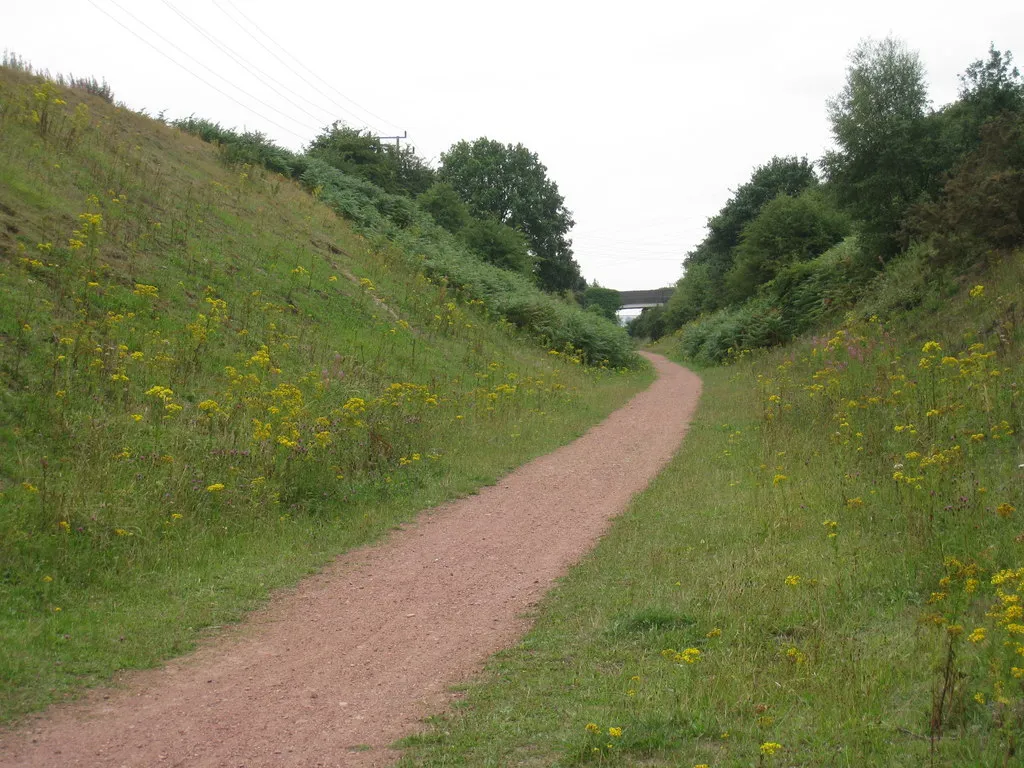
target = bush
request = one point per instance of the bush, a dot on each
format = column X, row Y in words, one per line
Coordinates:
column 799, row 297
column 499, row 245
column 443, row 203
column 651, row 324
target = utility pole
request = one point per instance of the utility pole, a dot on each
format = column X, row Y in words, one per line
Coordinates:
column 398, row 139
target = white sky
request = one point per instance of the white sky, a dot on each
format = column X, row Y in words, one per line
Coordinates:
column 646, row 114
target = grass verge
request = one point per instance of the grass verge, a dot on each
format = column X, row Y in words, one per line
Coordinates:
column 828, row 573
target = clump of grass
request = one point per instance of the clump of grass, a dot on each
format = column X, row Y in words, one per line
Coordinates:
column 842, row 527
column 211, row 385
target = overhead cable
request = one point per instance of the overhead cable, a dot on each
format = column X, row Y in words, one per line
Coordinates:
column 193, row 58
column 291, row 69
column 313, row 72
column 196, row 76
column 249, row 66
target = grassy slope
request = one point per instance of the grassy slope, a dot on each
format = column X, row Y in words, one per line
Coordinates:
column 894, row 642
column 211, row 385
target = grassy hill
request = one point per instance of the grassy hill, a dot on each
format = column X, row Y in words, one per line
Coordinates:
column 210, row 383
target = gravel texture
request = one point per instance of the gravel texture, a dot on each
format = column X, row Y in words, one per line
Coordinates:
column 332, row 672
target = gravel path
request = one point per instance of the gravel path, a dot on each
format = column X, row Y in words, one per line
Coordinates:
column 332, row 672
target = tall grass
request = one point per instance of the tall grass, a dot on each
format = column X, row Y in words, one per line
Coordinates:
column 829, row 573
column 211, row 384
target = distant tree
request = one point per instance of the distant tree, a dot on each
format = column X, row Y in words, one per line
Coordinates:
column 780, row 175
column 413, row 175
column 878, row 121
column 692, row 295
column 510, row 184
column 443, row 203
column 360, row 153
column 702, row 287
column 649, row 324
column 606, row 300
column 993, row 86
column 979, row 214
column 498, row 244
column 988, row 88
column 787, row 230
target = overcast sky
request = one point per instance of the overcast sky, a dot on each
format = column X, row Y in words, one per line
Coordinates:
column 646, row 114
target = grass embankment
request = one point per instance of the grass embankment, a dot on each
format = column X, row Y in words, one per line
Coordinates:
column 211, row 385
column 825, row 574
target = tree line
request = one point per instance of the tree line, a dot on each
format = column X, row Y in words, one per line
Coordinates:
column 801, row 238
column 496, row 197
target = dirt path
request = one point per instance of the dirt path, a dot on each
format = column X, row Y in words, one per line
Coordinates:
column 332, row 672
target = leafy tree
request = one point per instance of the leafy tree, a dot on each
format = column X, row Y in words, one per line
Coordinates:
column 878, row 121
column 498, row 244
column 993, row 86
column 779, row 176
column 607, row 300
column 360, row 153
column 980, row 212
column 988, row 88
column 510, row 184
column 702, row 287
column 787, row 230
column 649, row 324
column 691, row 296
column 443, row 203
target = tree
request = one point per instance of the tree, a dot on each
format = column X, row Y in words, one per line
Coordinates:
column 780, row 175
column 691, row 296
column 878, row 121
column 606, row 300
column 649, row 324
column 702, row 287
column 988, row 88
column 993, row 86
column 787, row 230
column 444, row 204
column 510, row 184
column 980, row 213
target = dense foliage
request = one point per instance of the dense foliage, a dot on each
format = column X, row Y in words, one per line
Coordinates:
column 510, row 184
column 946, row 185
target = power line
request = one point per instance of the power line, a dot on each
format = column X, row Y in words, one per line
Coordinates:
column 287, row 65
column 311, row 71
column 249, row 66
column 193, row 58
column 197, row 77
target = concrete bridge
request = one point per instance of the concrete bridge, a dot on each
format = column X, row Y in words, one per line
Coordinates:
column 643, row 299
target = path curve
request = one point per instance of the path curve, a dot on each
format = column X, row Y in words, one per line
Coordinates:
column 353, row 658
